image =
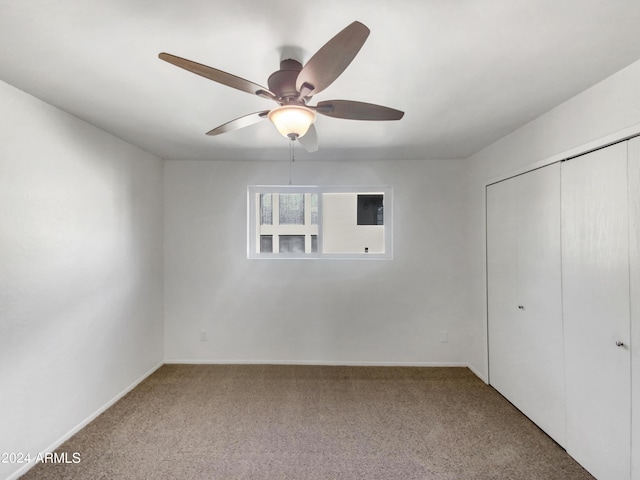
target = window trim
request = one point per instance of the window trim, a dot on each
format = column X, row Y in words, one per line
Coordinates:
column 253, row 211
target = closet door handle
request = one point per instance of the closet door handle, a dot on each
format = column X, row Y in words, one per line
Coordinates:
column 619, row 344
column 521, row 307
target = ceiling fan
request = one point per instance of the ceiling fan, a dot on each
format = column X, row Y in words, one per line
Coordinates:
column 293, row 85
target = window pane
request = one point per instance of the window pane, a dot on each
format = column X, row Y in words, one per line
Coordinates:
column 291, row 243
column 344, row 229
column 370, row 210
column 314, row 243
column 266, row 209
column 266, row 243
column 291, row 209
column 314, row 209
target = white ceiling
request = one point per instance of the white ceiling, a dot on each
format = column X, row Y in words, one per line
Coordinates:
column 466, row 72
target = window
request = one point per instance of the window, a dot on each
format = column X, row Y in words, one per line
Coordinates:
column 319, row 222
column 370, row 210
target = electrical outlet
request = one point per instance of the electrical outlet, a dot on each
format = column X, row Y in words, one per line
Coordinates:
column 203, row 335
column 444, row 336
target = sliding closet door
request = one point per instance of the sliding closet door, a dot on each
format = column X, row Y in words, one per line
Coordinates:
column 502, row 291
column 595, row 281
column 634, row 251
column 524, row 296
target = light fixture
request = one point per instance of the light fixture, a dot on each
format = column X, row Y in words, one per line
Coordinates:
column 292, row 121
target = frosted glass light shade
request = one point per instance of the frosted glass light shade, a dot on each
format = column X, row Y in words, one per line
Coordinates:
column 292, row 121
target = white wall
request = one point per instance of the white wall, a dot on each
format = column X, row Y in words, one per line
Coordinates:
column 605, row 112
column 80, row 271
column 314, row 311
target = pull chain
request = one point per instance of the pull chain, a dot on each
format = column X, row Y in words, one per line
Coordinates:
column 292, row 158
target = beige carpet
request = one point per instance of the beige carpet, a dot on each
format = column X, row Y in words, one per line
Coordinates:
column 312, row 422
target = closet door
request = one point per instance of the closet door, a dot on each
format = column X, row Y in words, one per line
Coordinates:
column 524, row 296
column 634, row 251
column 595, row 281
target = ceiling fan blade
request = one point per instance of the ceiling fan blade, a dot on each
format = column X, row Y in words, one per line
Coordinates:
column 357, row 110
column 331, row 60
column 309, row 141
column 241, row 122
column 217, row 75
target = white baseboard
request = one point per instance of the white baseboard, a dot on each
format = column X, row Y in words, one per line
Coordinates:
column 478, row 374
column 84, row 423
column 196, row 361
column 346, row 363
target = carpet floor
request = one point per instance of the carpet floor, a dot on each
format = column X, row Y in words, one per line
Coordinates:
column 232, row 422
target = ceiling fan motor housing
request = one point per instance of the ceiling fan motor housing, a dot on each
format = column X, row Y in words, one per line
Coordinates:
column 283, row 82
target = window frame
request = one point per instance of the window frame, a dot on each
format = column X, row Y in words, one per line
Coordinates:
column 253, row 214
